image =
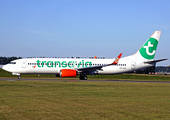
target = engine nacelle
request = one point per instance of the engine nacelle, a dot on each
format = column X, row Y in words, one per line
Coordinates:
column 67, row 73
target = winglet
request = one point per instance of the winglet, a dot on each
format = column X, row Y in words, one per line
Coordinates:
column 117, row 59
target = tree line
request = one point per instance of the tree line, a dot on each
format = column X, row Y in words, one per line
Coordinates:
column 6, row 60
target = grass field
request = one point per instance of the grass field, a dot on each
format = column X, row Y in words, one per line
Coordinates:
column 83, row 100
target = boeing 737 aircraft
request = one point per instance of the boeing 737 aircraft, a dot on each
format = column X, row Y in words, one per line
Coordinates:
column 71, row 67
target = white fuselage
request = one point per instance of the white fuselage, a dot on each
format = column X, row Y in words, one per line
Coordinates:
column 54, row 65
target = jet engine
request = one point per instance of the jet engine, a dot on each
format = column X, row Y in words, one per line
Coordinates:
column 67, row 73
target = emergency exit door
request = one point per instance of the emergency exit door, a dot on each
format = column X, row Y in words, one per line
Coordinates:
column 24, row 64
column 133, row 65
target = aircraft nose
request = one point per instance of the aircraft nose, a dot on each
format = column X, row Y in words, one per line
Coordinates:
column 5, row 67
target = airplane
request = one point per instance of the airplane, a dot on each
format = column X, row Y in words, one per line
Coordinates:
column 71, row 67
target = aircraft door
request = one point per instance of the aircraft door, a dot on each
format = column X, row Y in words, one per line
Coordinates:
column 24, row 64
column 133, row 65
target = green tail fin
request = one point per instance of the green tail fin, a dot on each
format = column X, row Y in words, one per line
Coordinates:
column 148, row 50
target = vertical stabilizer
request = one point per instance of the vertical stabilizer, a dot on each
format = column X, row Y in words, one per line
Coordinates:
column 148, row 50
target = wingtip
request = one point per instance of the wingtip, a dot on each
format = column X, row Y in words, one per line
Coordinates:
column 117, row 59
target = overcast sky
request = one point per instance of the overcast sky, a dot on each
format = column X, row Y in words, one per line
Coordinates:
column 82, row 28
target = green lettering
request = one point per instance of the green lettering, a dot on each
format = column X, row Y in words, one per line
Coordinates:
column 48, row 64
column 79, row 64
column 69, row 64
column 57, row 62
column 73, row 64
column 43, row 62
column 64, row 64
column 38, row 63
column 82, row 63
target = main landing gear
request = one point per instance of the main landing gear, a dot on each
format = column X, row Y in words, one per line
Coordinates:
column 83, row 77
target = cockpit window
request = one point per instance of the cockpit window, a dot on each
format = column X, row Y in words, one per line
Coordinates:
column 12, row 62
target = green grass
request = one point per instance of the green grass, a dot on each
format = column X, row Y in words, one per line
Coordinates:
column 143, row 77
column 83, row 100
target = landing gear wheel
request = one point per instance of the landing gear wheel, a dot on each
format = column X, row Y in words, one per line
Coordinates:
column 19, row 77
column 83, row 77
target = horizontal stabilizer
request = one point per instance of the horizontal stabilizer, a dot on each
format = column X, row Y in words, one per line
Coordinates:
column 155, row 61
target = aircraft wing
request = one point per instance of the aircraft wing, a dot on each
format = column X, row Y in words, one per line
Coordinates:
column 155, row 61
column 100, row 66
